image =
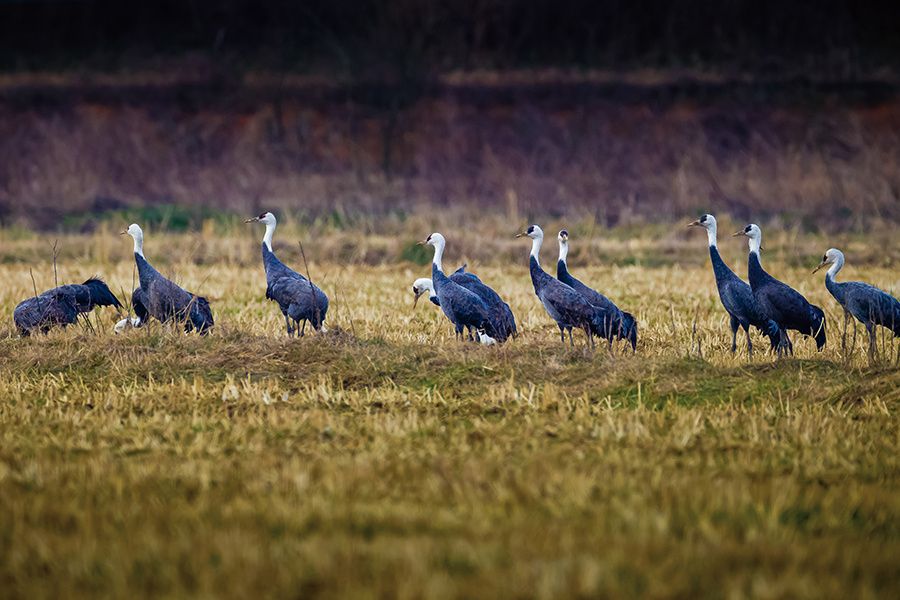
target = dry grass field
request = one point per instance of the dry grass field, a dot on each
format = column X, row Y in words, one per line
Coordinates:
column 383, row 459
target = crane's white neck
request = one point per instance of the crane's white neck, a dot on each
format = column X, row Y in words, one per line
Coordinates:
column 139, row 244
column 563, row 250
column 836, row 266
column 536, row 247
column 711, row 234
column 755, row 244
column 438, row 254
column 267, row 238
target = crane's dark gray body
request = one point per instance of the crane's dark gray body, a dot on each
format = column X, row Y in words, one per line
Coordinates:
column 62, row 305
column 298, row 298
column 784, row 305
column 621, row 324
column 501, row 314
column 566, row 306
column 740, row 304
column 165, row 301
column 463, row 307
column 868, row 304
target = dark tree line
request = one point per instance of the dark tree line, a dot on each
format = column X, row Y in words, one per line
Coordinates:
column 403, row 38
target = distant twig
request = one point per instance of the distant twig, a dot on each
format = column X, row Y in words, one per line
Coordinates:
column 33, row 284
column 55, row 254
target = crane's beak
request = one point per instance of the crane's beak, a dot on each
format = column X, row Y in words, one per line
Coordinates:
column 822, row 264
column 123, row 233
column 518, row 235
column 737, row 233
column 694, row 224
column 416, row 299
column 253, row 220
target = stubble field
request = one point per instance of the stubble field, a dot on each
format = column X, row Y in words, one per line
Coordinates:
column 384, row 459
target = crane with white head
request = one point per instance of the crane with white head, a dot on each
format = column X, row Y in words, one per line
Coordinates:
column 735, row 294
column 565, row 305
column 868, row 304
column 621, row 325
column 299, row 299
column 464, row 308
column 163, row 299
column 780, row 302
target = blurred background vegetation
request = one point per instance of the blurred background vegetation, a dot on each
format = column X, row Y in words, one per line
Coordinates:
column 624, row 112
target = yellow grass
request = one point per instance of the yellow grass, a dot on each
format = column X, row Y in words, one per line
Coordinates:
column 384, row 459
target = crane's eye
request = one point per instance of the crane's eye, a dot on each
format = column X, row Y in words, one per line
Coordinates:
column 428, row 239
column 747, row 230
column 531, row 229
column 262, row 216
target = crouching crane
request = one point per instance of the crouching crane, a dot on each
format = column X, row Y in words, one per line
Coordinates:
column 62, row 305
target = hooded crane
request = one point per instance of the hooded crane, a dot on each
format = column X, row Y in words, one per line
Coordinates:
column 424, row 285
column 501, row 315
column 464, row 308
column 735, row 294
column 778, row 301
column 62, row 305
column 869, row 305
column 298, row 298
column 567, row 307
column 161, row 298
column 622, row 324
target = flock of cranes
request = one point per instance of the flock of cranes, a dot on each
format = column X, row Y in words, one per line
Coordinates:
column 476, row 311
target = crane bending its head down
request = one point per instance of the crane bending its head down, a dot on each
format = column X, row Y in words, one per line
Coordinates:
column 422, row 286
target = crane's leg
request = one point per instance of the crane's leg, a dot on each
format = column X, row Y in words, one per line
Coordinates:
column 788, row 344
column 870, row 328
column 562, row 334
column 303, row 328
column 735, row 325
column 571, row 340
column 287, row 324
column 844, row 335
column 590, row 337
column 749, row 343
